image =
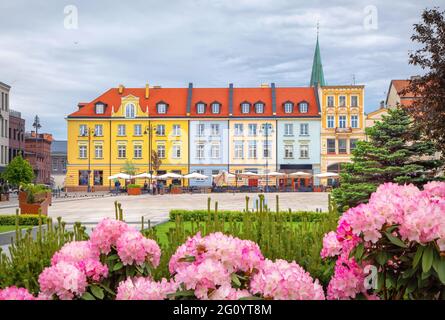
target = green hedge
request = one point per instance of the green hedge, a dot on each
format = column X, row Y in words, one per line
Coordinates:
column 24, row 220
column 201, row 215
column 133, row 185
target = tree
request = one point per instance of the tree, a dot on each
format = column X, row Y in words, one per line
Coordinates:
column 18, row 171
column 129, row 168
column 156, row 162
column 395, row 153
column 428, row 109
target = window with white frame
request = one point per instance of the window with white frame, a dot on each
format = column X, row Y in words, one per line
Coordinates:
column 342, row 121
column 304, row 129
column 252, row 150
column 83, row 130
column 354, row 121
column 98, row 152
column 239, row 150
column 162, row 108
column 137, row 130
column 161, row 151
column 137, row 151
column 200, row 108
column 130, row 111
column 304, row 151
column 288, row 129
column 267, row 146
column 239, row 129
column 215, row 107
column 83, row 152
column 176, row 130
column 200, row 171
column 121, row 130
column 237, row 174
column 245, row 107
column 176, row 151
column 121, row 151
column 330, row 101
column 259, row 107
column 288, row 107
column 160, row 129
column 330, row 122
column 354, row 101
column 252, row 129
column 342, row 101
column 98, row 130
column 215, row 129
column 200, row 127
column 200, row 151
column 100, row 108
column 303, row 107
column 214, row 151
column 288, row 151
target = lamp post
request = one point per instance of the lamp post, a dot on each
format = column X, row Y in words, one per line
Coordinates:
column 267, row 129
column 37, row 126
column 91, row 133
column 149, row 131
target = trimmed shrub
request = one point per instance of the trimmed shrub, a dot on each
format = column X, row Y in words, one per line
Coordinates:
column 23, row 220
column 133, row 185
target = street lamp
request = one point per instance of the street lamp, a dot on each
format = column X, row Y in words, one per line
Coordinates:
column 37, row 126
column 149, row 131
column 266, row 130
column 90, row 133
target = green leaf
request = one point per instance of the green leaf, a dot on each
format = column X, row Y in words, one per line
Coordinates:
column 251, row 298
column 118, row 266
column 382, row 257
column 418, row 255
column 183, row 293
column 396, row 241
column 112, row 257
column 441, row 270
column 187, row 259
column 97, row 291
column 88, row 296
column 235, row 280
column 359, row 251
column 427, row 259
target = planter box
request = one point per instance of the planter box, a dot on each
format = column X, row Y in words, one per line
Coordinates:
column 34, row 208
column 176, row 190
column 134, row 191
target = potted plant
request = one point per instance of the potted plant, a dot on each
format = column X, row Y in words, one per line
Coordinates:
column 134, row 189
column 34, row 199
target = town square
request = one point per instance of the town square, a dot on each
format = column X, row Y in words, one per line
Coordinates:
column 269, row 150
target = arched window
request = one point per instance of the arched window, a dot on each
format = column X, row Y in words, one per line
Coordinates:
column 259, row 107
column 215, row 107
column 130, row 111
column 303, row 107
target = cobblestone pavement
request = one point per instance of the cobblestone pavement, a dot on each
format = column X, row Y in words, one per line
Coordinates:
column 156, row 208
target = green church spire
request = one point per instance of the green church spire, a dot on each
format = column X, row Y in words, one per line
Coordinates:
column 317, row 76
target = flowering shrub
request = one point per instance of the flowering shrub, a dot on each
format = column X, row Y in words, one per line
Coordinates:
column 401, row 231
column 117, row 262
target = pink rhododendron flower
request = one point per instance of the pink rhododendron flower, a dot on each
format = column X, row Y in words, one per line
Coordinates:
column 364, row 219
column 106, row 233
column 282, row 280
column 348, row 280
column 435, row 189
column 93, row 269
column 145, row 289
column 74, row 252
column 331, row 245
column 226, row 292
column 64, row 280
column 133, row 247
column 14, row 293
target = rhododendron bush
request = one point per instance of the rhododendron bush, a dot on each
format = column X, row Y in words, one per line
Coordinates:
column 400, row 231
column 117, row 263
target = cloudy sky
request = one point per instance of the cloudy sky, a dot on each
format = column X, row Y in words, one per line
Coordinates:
column 52, row 66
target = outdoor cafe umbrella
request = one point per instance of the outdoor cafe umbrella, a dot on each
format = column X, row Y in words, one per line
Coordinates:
column 300, row 174
column 274, row 174
column 120, row 176
column 327, row 175
column 249, row 174
column 195, row 175
column 170, row 175
column 145, row 175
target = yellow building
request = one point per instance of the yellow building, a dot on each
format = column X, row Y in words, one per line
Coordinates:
column 343, row 124
column 114, row 129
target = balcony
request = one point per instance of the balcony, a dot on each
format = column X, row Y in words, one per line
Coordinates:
column 343, row 130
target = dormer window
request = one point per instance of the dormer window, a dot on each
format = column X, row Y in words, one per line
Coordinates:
column 130, row 111
column 288, row 107
column 100, row 108
column 245, row 107
column 200, row 108
column 259, row 107
column 303, row 107
column 215, row 107
column 161, row 108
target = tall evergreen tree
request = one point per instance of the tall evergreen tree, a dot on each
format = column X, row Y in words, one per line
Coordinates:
column 395, row 152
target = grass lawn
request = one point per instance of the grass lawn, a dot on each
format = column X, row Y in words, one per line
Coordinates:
column 11, row 228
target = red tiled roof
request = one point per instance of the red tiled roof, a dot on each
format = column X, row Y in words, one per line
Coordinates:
column 176, row 98
column 400, row 85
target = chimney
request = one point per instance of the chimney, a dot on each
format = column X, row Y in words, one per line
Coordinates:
column 274, row 99
column 264, row 85
column 230, row 99
column 157, row 87
column 147, row 91
column 416, row 77
column 121, row 88
column 189, row 98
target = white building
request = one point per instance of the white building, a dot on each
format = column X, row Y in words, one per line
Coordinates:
column 4, row 125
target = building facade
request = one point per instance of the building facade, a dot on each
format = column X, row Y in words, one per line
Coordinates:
column 16, row 134
column 342, row 125
column 397, row 94
column 58, row 163
column 4, row 125
column 38, row 153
